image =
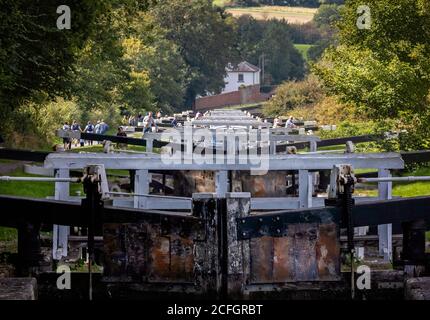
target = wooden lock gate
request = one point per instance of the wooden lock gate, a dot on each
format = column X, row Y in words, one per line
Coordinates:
column 221, row 249
column 225, row 251
column 228, row 252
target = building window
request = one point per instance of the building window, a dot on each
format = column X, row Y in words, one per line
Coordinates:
column 240, row 78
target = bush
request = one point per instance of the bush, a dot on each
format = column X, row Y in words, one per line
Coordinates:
column 327, row 111
column 33, row 126
column 357, row 128
column 292, row 95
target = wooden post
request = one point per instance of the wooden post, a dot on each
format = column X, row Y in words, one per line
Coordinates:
column 221, row 183
column 142, row 179
column 385, row 231
column 206, row 259
column 414, row 247
column 305, row 189
column 272, row 147
column 149, row 145
column 61, row 233
column 313, row 147
column 28, row 248
column 238, row 206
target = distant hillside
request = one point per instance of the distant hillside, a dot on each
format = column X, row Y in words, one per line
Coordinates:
column 290, row 3
column 291, row 14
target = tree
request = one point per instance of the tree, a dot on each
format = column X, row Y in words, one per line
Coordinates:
column 284, row 62
column 35, row 56
column 273, row 40
column 249, row 33
column 204, row 36
column 294, row 94
column 131, row 67
column 326, row 19
column 384, row 71
column 147, row 48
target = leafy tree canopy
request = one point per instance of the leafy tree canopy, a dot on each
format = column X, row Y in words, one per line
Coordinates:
column 385, row 70
column 270, row 40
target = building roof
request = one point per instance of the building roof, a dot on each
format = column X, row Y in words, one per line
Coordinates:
column 244, row 66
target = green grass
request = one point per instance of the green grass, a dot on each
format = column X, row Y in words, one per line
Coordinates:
column 6, row 161
column 242, row 106
column 406, row 189
column 99, row 148
column 28, row 189
column 8, row 234
column 32, row 189
column 303, row 49
column 93, row 148
column 222, row 3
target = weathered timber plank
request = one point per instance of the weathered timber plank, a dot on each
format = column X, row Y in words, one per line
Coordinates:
column 18, row 289
column 305, row 238
column 417, row 289
column 262, row 260
column 328, row 252
column 283, row 265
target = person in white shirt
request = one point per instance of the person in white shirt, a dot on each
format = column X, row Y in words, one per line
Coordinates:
column 149, row 122
column 277, row 123
column 290, row 123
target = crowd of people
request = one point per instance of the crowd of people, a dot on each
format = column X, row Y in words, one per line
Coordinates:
column 147, row 122
column 101, row 127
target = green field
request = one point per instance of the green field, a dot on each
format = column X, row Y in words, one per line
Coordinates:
column 222, row 3
column 298, row 15
column 303, row 49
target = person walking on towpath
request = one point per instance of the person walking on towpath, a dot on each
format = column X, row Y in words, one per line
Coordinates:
column 67, row 142
column 89, row 129
column 76, row 127
column 148, row 123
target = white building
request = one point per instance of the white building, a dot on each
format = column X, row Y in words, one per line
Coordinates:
column 243, row 74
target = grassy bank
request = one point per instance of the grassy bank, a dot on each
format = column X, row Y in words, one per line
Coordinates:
column 406, row 189
column 31, row 189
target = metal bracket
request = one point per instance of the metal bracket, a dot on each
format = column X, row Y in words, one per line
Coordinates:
column 277, row 225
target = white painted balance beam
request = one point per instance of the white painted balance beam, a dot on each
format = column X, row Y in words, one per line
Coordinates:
column 220, row 162
column 228, row 123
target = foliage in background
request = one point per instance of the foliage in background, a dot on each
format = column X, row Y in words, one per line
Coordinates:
column 325, row 20
column 327, row 111
column 385, row 71
column 37, row 59
column 119, row 56
column 272, row 38
column 292, row 95
column 294, row 3
column 205, row 38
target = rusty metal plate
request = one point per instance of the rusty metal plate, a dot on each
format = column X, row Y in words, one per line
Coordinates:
column 310, row 252
column 185, row 183
column 328, row 252
column 141, row 252
column 114, row 262
column 272, row 184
